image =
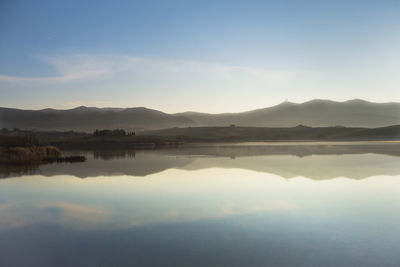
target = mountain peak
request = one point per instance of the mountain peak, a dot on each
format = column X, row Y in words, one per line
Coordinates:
column 357, row 101
column 80, row 108
column 287, row 103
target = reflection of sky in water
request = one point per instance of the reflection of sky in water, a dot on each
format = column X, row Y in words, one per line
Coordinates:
column 210, row 216
column 176, row 195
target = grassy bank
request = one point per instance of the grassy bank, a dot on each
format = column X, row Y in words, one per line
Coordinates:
column 27, row 149
column 30, row 154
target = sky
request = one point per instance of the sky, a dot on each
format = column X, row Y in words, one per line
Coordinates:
column 209, row 56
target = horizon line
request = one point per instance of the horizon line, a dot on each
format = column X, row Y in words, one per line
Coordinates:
column 191, row 111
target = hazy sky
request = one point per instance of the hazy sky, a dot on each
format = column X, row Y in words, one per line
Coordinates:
column 210, row 56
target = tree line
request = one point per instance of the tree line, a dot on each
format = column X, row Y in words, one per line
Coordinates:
column 115, row 132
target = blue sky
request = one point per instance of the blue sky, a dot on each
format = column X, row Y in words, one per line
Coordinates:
column 210, row 56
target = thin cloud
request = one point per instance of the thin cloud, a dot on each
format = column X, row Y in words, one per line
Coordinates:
column 204, row 69
column 68, row 69
column 152, row 71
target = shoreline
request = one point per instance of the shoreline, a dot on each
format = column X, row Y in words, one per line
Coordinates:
column 35, row 155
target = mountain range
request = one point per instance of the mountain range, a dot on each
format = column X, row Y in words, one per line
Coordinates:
column 315, row 113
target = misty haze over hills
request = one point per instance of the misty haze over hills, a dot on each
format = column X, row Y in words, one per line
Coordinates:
column 316, row 113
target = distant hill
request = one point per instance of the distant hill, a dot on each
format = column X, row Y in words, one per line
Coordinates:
column 89, row 119
column 316, row 113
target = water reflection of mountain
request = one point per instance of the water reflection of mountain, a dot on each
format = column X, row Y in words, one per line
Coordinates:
column 316, row 161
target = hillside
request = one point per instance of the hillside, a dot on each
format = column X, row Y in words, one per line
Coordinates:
column 89, row 119
column 316, row 113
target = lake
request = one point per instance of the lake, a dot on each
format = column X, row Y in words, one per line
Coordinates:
column 249, row 204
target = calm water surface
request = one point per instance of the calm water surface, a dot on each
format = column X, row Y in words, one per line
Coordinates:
column 275, row 204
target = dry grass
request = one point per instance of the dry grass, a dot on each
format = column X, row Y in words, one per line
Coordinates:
column 29, row 154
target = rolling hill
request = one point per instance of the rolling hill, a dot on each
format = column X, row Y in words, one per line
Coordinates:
column 315, row 113
column 89, row 119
